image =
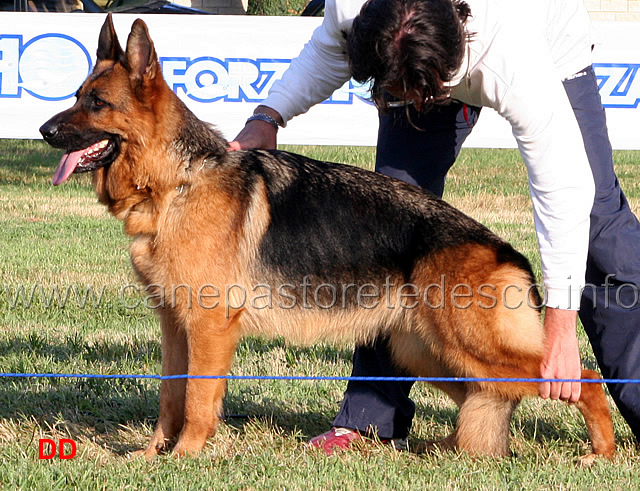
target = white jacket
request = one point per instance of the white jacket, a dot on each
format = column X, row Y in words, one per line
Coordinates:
column 520, row 53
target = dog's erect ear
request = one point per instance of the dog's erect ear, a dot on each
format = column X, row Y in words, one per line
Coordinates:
column 108, row 45
column 141, row 55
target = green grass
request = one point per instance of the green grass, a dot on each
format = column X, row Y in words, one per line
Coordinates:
column 276, row 7
column 61, row 239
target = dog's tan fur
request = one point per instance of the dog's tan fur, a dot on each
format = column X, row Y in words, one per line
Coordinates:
column 201, row 216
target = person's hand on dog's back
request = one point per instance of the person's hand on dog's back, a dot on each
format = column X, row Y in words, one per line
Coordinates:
column 258, row 133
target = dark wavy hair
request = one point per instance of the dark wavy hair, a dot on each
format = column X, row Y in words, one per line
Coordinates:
column 410, row 45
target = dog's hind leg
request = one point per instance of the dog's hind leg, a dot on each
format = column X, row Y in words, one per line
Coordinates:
column 484, row 424
column 413, row 355
column 211, row 346
column 458, row 392
column 172, row 392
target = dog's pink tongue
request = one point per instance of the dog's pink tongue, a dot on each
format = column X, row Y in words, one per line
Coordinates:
column 67, row 165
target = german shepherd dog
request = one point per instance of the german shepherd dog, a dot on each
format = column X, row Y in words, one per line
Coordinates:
column 272, row 243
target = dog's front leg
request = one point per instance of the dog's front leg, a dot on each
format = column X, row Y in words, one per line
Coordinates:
column 172, row 392
column 211, row 344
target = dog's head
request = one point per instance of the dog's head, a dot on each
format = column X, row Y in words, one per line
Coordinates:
column 110, row 105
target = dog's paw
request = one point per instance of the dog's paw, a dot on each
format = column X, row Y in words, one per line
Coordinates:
column 184, row 450
column 587, row 460
column 138, row 454
column 435, row 446
column 153, row 450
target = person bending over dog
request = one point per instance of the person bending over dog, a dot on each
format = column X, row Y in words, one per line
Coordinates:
column 433, row 64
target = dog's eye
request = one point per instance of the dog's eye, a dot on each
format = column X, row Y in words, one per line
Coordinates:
column 98, row 103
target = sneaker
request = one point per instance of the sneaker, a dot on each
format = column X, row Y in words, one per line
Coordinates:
column 338, row 438
column 334, row 439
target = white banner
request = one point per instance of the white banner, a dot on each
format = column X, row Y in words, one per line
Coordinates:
column 223, row 66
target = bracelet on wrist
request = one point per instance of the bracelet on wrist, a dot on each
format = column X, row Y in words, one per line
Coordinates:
column 266, row 118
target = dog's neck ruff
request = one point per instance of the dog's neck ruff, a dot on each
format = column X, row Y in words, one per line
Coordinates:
column 188, row 169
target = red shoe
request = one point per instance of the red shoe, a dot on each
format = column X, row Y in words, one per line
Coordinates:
column 335, row 439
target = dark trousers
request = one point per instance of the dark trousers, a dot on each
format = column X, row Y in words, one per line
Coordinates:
column 609, row 310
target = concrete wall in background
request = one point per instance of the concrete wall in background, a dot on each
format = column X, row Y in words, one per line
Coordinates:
column 614, row 10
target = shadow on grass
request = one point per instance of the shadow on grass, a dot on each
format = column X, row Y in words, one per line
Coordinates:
column 74, row 346
column 31, row 162
column 99, row 407
column 320, row 352
column 26, row 160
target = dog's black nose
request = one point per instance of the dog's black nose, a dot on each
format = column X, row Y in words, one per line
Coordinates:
column 49, row 130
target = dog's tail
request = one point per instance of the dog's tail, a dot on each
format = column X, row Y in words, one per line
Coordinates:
column 495, row 331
